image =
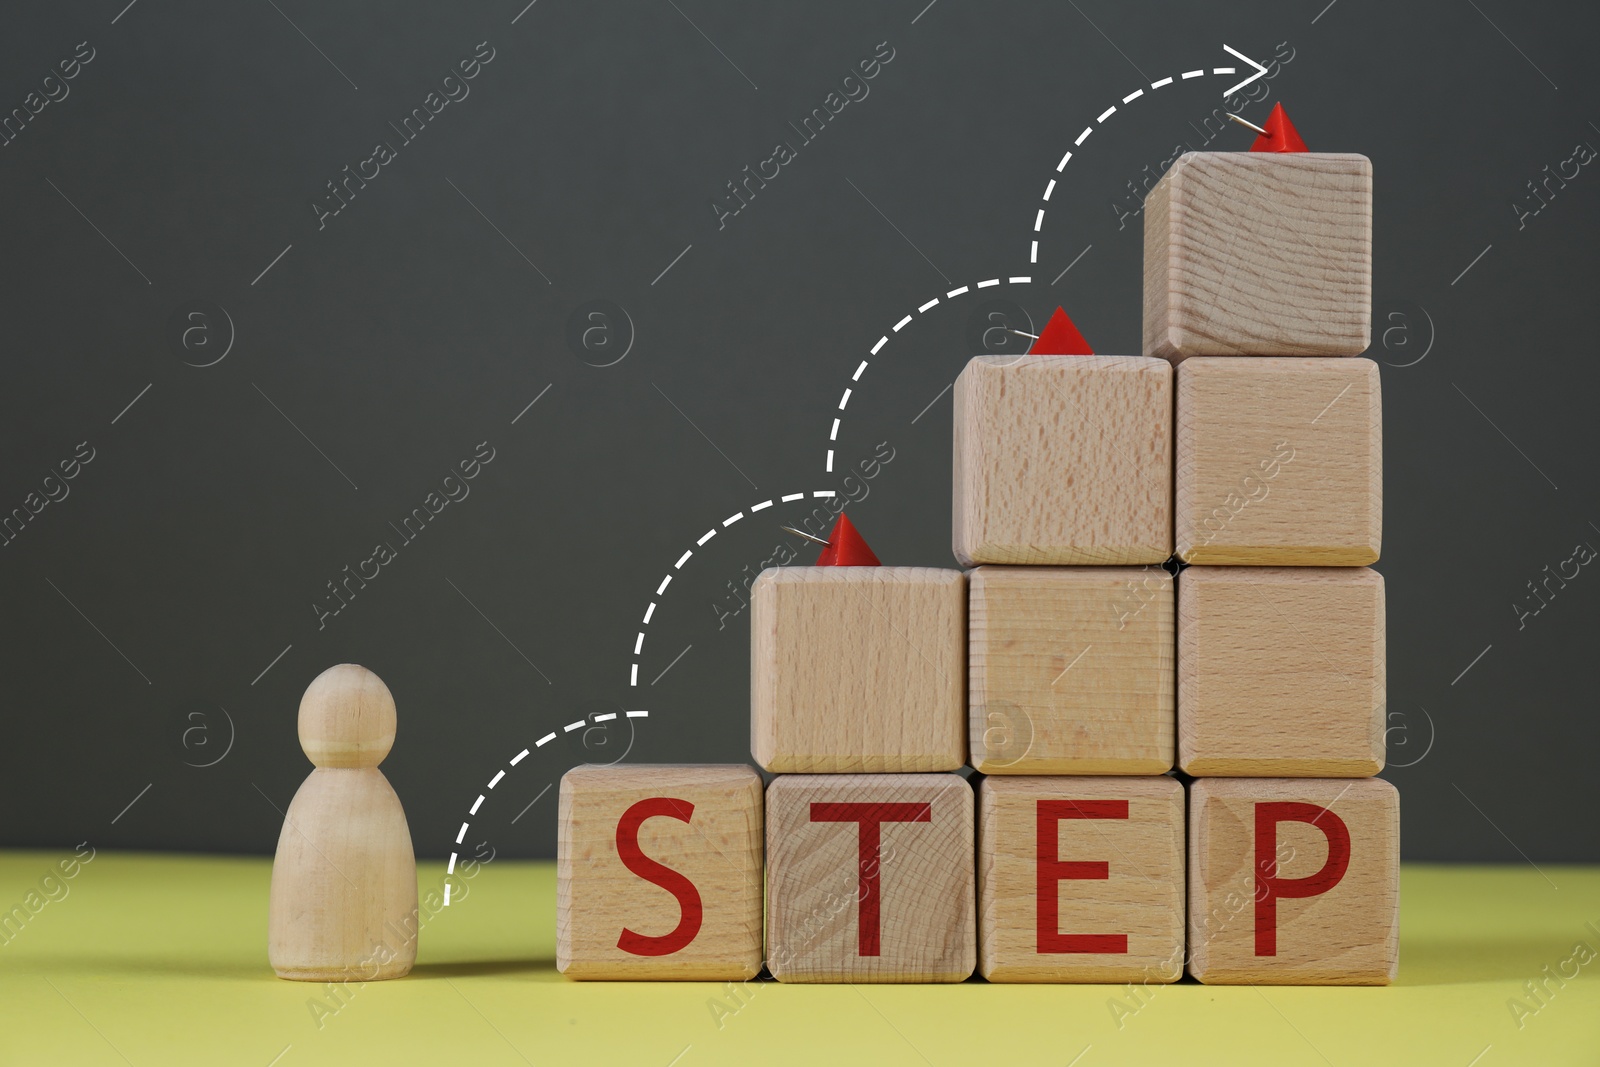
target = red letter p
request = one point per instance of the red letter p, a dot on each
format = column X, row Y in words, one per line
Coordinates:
column 1269, row 887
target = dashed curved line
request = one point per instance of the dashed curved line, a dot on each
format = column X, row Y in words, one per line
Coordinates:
column 461, row 834
column 649, row 612
column 833, row 434
column 1038, row 221
column 633, row 679
column 638, row 646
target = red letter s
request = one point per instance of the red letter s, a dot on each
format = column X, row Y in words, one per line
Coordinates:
column 658, row 874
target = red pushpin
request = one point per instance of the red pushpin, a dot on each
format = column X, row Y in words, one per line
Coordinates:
column 846, row 548
column 1278, row 135
column 1060, row 338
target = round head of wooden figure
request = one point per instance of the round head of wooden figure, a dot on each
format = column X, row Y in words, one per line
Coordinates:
column 347, row 718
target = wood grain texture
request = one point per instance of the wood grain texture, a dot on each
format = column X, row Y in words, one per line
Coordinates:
column 858, row 669
column 713, row 837
column 1259, row 254
column 1141, row 897
column 1071, row 670
column 343, row 904
column 1063, row 460
column 1346, row 935
column 1279, row 461
column 1281, row 671
column 819, row 896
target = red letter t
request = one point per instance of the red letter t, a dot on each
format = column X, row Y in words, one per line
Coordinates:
column 868, row 818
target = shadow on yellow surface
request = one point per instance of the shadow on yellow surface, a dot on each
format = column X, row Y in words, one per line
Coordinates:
column 1429, row 961
column 545, row 968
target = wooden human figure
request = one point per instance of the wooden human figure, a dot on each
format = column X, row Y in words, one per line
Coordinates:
column 344, row 882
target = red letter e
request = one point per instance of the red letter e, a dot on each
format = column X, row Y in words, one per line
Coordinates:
column 1051, row 870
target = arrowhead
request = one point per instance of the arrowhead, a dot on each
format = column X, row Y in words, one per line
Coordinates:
column 1281, row 136
column 846, row 547
column 1060, row 338
column 1260, row 71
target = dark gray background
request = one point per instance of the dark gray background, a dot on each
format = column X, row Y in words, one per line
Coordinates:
column 142, row 611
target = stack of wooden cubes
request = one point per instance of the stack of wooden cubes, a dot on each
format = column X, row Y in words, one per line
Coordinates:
column 1166, row 569
column 1258, row 287
column 1063, row 507
column 857, row 706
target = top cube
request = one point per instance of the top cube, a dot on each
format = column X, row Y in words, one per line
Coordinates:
column 1259, row 254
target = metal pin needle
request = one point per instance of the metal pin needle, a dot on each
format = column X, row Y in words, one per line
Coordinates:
column 801, row 533
column 1246, row 122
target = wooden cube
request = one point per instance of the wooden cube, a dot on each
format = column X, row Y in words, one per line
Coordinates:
column 658, row 873
column 1281, row 672
column 1280, row 462
column 870, row 878
column 1063, row 459
column 1071, row 670
column 1081, row 879
column 1294, row 881
column 858, row 669
column 1259, row 254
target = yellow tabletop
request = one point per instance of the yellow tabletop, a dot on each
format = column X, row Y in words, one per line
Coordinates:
column 161, row 959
